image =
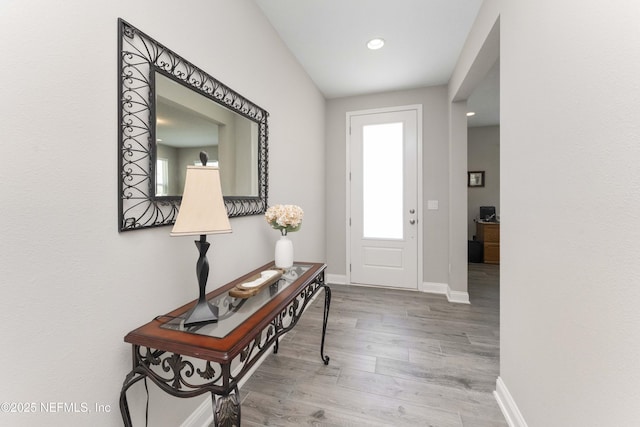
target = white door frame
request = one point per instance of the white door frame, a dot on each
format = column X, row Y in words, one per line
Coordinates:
column 420, row 216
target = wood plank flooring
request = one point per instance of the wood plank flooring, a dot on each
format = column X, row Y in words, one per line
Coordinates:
column 398, row 358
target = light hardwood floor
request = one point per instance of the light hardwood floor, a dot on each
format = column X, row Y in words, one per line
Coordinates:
column 398, row 358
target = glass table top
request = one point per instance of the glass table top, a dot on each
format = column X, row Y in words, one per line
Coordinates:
column 233, row 311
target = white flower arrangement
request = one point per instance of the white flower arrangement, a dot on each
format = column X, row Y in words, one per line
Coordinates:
column 285, row 218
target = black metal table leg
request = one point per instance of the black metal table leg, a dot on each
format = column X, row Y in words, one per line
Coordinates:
column 325, row 318
column 132, row 378
column 226, row 409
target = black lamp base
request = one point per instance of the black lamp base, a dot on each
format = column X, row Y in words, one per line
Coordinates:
column 202, row 313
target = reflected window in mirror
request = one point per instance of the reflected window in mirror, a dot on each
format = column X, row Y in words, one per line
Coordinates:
column 162, row 177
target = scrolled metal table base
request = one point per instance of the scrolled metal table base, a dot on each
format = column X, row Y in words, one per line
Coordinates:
column 179, row 376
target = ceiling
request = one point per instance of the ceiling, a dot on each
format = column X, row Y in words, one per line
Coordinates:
column 423, row 39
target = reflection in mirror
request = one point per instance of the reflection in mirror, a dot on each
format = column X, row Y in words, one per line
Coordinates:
column 187, row 123
column 156, row 83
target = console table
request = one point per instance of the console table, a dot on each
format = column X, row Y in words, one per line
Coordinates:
column 227, row 349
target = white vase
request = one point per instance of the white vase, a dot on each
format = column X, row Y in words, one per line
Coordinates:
column 284, row 252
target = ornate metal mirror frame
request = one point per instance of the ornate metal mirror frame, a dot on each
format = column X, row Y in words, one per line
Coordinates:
column 140, row 57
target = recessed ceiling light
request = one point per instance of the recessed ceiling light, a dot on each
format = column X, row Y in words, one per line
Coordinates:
column 471, row 113
column 375, row 44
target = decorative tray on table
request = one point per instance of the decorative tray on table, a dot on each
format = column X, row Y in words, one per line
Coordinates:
column 256, row 283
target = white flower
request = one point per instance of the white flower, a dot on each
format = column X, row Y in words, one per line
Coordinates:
column 284, row 217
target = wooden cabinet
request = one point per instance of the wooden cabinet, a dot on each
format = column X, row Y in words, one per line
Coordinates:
column 489, row 234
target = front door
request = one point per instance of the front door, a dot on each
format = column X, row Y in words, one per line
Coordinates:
column 383, row 193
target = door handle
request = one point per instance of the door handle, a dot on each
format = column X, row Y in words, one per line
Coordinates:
column 412, row 221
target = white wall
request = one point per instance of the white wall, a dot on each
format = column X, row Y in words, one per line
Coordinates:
column 435, row 174
column 569, row 151
column 72, row 286
column 458, row 248
column 483, row 154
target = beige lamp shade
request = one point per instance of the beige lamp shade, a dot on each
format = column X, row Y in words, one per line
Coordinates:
column 202, row 210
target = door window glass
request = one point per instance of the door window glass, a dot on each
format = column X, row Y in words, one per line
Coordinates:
column 382, row 150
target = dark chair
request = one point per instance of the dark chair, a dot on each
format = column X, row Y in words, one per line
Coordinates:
column 488, row 213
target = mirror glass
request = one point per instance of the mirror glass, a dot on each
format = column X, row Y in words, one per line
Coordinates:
column 188, row 123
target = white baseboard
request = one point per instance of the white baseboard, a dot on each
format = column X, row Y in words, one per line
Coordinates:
column 508, row 406
column 434, row 288
column 458, row 297
column 428, row 287
column 336, row 279
column 444, row 289
column 202, row 416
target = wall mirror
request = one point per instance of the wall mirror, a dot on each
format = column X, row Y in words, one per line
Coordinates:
column 170, row 110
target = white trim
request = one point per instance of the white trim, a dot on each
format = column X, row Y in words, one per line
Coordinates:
column 456, row 297
column 336, row 279
column 420, row 217
column 434, row 288
column 201, row 417
column 508, row 406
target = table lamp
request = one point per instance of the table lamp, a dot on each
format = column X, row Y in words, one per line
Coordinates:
column 202, row 212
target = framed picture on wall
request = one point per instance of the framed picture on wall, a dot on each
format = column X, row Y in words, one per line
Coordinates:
column 475, row 179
